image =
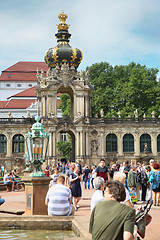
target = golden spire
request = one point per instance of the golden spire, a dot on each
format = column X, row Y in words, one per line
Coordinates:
column 62, row 17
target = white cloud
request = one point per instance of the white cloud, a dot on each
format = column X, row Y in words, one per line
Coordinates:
column 104, row 30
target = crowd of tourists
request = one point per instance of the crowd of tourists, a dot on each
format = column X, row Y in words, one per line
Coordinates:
column 125, row 184
column 117, row 188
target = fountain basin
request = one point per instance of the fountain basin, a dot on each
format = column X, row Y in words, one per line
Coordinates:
column 77, row 224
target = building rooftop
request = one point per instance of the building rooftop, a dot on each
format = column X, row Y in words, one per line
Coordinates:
column 17, row 104
column 30, row 92
column 23, row 71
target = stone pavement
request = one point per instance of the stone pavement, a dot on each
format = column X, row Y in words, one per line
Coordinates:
column 15, row 202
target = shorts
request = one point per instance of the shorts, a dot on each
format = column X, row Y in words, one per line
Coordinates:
column 7, row 182
column 156, row 189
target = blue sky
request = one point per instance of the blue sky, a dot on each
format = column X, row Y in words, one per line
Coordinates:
column 117, row 31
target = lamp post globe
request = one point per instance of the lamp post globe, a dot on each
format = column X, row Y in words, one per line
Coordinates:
column 37, row 145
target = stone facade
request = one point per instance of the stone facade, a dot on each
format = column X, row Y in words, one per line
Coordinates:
column 92, row 138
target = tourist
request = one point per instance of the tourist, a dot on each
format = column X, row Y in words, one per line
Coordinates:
column 154, row 179
column 63, row 168
column 1, row 200
column 86, row 177
column 15, row 174
column 2, row 170
column 132, row 177
column 109, row 218
column 98, row 194
column 75, row 179
column 59, row 199
column 13, row 178
column 121, row 177
column 132, row 183
column 149, row 190
column 93, row 176
column 46, row 171
column 112, row 171
column 102, row 171
column 126, row 171
column 117, row 166
column 151, row 162
column 7, row 180
column 54, row 177
column 68, row 173
column 143, row 180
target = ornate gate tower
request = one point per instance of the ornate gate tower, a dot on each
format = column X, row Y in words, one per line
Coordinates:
column 63, row 77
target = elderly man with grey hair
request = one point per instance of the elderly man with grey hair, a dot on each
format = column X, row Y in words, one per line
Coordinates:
column 98, row 194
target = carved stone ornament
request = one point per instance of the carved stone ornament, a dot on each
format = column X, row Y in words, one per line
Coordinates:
column 94, row 133
column 78, row 117
column 52, row 116
column 65, row 74
column 94, row 146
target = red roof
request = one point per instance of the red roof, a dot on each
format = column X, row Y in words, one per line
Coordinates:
column 22, row 104
column 30, row 92
column 2, row 103
column 23, row 71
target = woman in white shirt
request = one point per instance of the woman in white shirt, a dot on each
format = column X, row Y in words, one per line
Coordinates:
column 121, row 177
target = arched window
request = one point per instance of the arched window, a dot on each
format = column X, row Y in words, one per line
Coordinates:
column 128, row 143
column 145, row 143
column 3, row 143
column 158, row 143
column 18, row 143
column 111, row 143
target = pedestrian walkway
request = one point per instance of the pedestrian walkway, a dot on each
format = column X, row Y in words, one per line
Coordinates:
column 15, row 204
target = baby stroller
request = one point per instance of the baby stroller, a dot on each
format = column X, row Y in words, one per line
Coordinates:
column 143, row 218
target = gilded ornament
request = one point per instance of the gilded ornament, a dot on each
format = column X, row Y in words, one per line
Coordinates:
column 55, row 53
column 62, row 17
column 74, row 54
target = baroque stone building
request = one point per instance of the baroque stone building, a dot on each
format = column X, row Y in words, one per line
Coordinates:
column 93, row 138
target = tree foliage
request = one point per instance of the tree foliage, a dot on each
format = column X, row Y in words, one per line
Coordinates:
column 122, row 88
column 65, row 104
column 65, row 147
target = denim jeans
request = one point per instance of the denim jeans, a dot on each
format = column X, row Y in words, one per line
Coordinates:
column 92, row 182
column 85, row 183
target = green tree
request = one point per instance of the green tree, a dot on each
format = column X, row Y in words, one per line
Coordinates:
column 65, row 104
column 121, row 88
column 65, row 147
column 124, row 89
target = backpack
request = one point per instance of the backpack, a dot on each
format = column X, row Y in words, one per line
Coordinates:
column 138, row 177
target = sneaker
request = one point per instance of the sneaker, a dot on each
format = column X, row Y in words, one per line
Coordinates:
column 76, row 209
column 13, row 190
column 77, row 206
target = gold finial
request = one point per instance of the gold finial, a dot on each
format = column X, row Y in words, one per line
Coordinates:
column 62, row 17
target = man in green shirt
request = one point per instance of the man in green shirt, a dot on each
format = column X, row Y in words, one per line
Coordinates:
column 111, row 220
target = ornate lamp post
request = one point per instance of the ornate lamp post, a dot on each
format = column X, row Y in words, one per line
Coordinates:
column 37, row 145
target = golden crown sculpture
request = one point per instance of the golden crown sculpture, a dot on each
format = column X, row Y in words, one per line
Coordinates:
column 62, row 17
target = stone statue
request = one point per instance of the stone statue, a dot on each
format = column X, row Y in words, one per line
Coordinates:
column 101, row 112
column 153, row 114
column 145, row 147
column 136, row 113
column 10, row 115
column 81, row 75
column 28, row 114
column 94, row 146
column 119, row 114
